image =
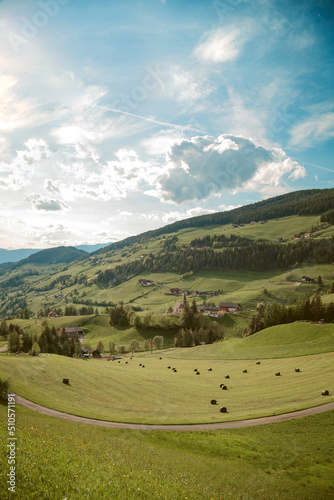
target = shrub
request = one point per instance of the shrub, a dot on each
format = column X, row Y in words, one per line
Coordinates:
column 4, row 389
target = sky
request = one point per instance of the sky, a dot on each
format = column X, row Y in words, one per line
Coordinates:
column 120, row 117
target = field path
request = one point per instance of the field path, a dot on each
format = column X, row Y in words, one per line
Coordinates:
column 192, row 427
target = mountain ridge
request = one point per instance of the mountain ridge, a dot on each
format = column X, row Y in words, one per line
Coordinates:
column 303, row 202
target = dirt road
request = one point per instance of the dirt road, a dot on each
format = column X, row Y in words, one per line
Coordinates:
column 193, row 427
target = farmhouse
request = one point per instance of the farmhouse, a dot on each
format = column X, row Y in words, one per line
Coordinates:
column 229, row 307
column 144, row 282
column 175, row 291
column 73, row 332
column 52, row 314
column 213, row 312
column 307, row 279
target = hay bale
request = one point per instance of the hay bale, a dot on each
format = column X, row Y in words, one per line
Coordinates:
column 195, row 370
column 66, row 381
column 258, row 362
column 169, row 367
column 227, row 376
column 143, row 366
column 278, row 374
column 213, row 401
column 297, row 370
column 244, row 371
column 224, row 388
column 209, row 369
column 160, row 358
column 139, row 364
column 175, row 370
column 325, row 393
column 223, row 409
column 126, row 362
column 197, row 373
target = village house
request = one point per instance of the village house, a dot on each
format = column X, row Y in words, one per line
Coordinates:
column 175, row 291
column 52, row 314
column 307, row 279
column 229, row 307
column 144, row 282
column 73, row 332
column 212, row 311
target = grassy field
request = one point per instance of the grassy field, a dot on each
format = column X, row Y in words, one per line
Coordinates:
column 128, row 392
column 57, row 459
column 281, row 341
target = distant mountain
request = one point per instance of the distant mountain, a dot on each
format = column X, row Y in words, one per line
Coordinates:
column 91, row 248
column 57, row 255
column 16, row 255
column 8, row 256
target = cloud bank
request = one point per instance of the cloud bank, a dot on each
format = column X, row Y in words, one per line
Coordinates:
column 205, row 166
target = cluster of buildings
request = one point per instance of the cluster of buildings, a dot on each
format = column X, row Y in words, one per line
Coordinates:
column 73, row 332
column 212, row 311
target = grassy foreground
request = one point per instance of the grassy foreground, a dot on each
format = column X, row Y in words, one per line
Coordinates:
column 56, row 459
column 129, row 392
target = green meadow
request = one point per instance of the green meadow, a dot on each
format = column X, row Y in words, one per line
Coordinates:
column 127, row 391
column 57, row 459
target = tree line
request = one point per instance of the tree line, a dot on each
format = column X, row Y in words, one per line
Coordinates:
column 220, row 241
column 258, row 256
column 272, row 314
column 49, row 341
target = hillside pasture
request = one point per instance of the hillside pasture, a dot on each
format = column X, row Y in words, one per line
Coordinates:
column 154, row 393
column 280, row 341
column 291, row 460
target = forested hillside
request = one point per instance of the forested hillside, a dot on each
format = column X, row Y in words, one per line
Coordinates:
column 307, row 202
column 256, row 256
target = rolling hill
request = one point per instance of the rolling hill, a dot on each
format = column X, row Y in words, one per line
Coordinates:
column 245, row 262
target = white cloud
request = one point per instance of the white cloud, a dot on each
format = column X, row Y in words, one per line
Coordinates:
column 161, row 143
column 227, row 208
column 316, row 129
column 206, row 166
column 105, row 181
column 224, row 44
column 185, row 87
column 19, row 173
column 45, row 204
column 175, row 215
column 219, row 46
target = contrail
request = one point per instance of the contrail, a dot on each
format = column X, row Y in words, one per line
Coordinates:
column 165, row 124
column 314, row 165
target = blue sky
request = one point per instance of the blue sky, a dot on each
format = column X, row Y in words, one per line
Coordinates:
column 117, row 118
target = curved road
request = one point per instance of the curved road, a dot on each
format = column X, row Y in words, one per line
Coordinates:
column 192, row 427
